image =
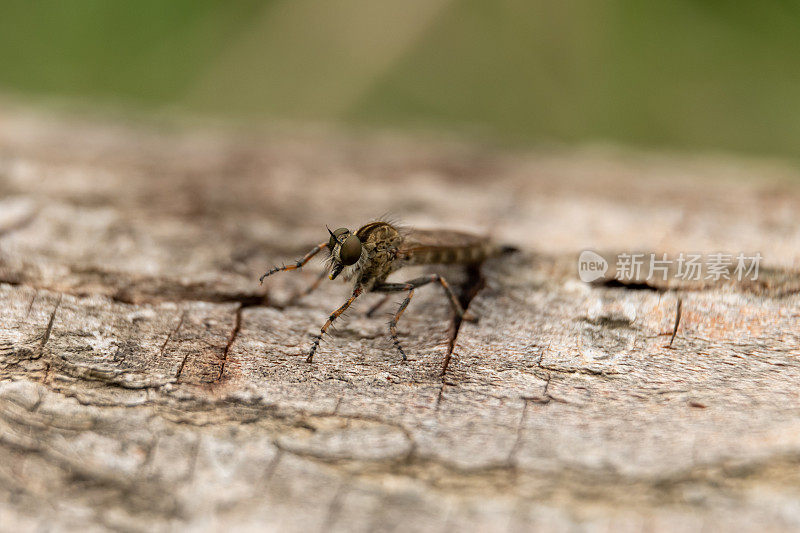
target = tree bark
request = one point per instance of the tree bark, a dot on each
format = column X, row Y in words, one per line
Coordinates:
column 147, row 381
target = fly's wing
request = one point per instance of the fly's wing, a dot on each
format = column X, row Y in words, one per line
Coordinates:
column 427, row 238
column 443, row 247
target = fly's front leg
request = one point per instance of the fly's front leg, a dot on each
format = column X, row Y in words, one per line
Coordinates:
column 336, row 314
column 298, row 264
column 397, row 287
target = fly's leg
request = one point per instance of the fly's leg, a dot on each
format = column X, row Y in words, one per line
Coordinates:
column 378, row 305
column 419, row 282
column 393, row 323
column 410, row 286
column 336, row 314
column 298, row 264
column 454, row 303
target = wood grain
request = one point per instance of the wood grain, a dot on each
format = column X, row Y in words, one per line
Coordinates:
column 147, row 381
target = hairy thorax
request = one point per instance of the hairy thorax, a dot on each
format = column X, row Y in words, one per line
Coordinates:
column 380, row 241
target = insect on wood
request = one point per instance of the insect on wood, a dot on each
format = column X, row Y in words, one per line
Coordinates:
column 368, row 256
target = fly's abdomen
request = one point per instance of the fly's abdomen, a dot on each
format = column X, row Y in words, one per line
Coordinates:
column 449, row 255
column 446, row 247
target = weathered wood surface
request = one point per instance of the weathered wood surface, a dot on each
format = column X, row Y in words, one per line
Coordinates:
column 147, row 382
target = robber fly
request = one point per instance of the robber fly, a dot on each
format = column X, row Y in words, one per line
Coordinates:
column 368, row 256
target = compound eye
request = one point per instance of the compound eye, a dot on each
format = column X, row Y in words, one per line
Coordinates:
column 335, row 237
column 351, row 250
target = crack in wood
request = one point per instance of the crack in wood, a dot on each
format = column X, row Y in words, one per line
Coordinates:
column 237, row 326
column 49, row 328
column 677, row 321
column 338, row 404
column 631, row 285
column 194, row 453
column 546, row 397
column 475, row 282
column 30, row 305
column 518, row 440
column 335, row 505
column 166, row 341
column 772, row 282
column 579, row 370
column 127, row 296
column 273, row 464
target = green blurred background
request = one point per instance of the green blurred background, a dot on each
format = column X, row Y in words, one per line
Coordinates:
column 684, row 74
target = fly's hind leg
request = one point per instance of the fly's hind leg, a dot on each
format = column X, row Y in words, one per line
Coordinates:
column 372, row 310
column 419, row 282
column 454, row 303
column 410, row 286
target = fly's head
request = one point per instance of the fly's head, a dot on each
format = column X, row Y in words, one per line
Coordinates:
column 347, row 254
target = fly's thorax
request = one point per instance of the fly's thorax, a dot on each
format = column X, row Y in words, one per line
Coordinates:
column 380, row 235
column 379, row 262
